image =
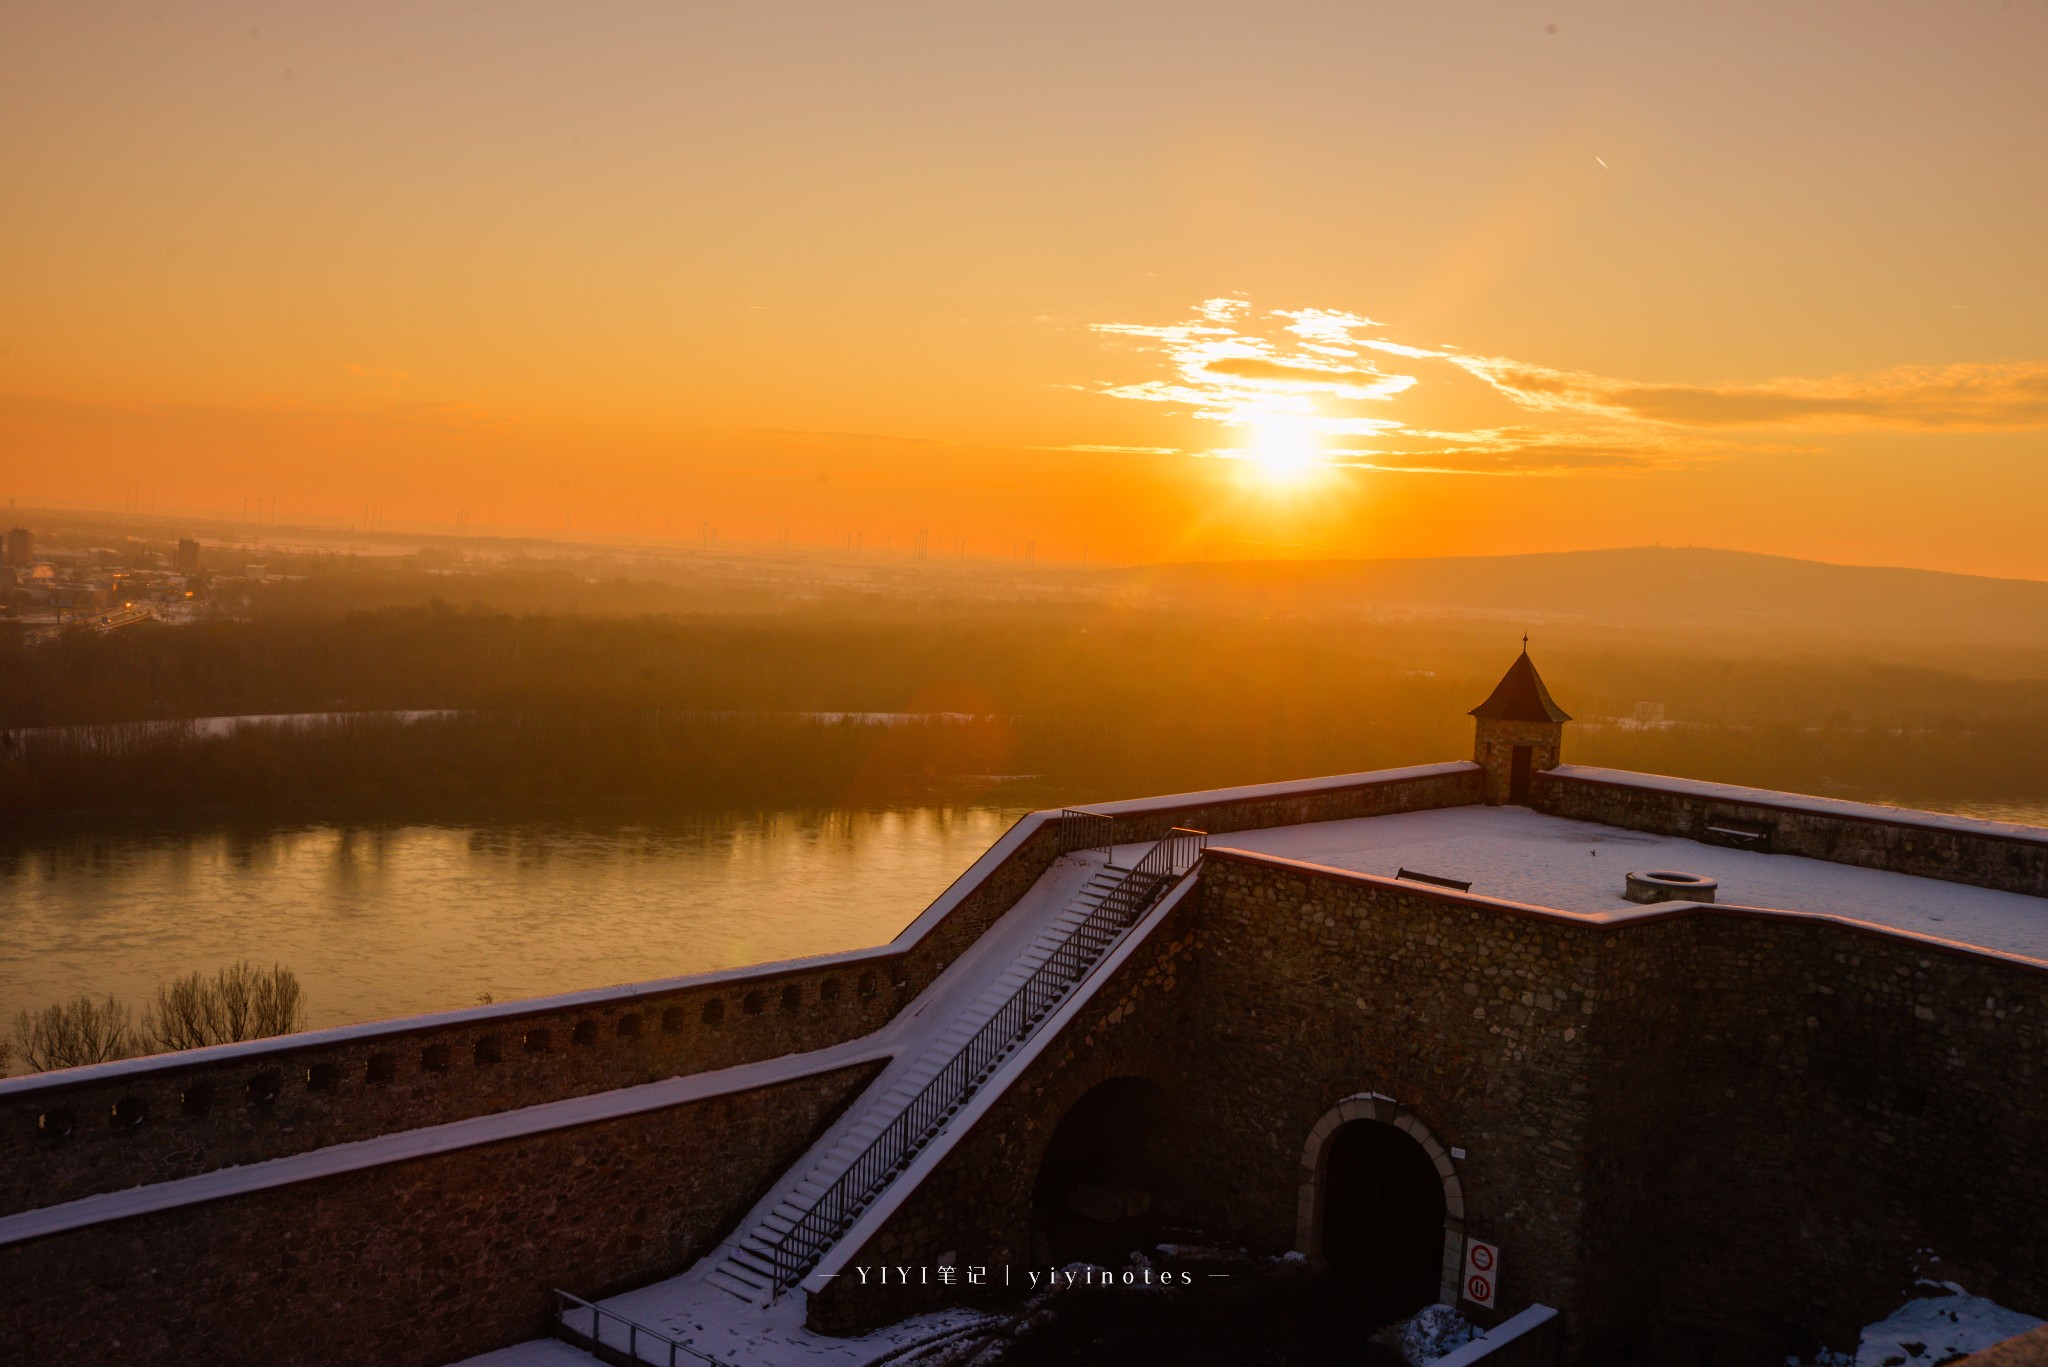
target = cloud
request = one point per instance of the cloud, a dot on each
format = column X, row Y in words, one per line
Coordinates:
column 1307, row 370
column 372, row 372
column 1973, row 396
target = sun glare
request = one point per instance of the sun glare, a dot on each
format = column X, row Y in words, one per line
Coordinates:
column 1283, row 450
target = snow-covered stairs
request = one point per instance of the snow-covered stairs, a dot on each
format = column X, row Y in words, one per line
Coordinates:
column 746, row 1265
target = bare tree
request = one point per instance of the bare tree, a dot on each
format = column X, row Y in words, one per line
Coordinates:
column 71, row 1034
column 238, row 1002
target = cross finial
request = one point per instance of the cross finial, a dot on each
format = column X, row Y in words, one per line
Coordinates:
column 1525, row 643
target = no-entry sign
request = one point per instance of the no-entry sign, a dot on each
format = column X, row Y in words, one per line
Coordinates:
column 1482, row 1272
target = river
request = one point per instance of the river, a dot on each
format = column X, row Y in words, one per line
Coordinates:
column 381, row 921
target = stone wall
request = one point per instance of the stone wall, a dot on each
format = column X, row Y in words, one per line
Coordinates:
column 417, row 1263
column 1493, row 748
column 976, row 1204
column 71, row 1135
column 189, row 1113
column 1702, row 1131
column 1457, row 786
column 1912, row 843
column 1789, row 1109
column 1262, row 1001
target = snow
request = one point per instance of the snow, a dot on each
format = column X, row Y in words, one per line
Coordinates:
column 740, row 1335
column 405, row 1145
column 695, row 1310
column 1478, row 1349
column 1799, row 802
column 468, row 1015
column 961, row 888
column 1292, row 788
column 933, row 1154
column 1517, row 856
column 1429, row 1334
column 910, row 1033
column 1931, row 1330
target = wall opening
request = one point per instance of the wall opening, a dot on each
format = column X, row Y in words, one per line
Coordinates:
column 1107, row 1181
column 1383, row 1215
column 1381, row 1205
column 1519, row 766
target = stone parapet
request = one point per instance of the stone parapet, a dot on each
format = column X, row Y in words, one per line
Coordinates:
column 419, row 1262
column 1927, row 844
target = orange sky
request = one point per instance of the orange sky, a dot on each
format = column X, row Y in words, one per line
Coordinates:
column 1154, row 280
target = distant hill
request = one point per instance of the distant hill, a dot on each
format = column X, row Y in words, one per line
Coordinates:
column 1701, row 594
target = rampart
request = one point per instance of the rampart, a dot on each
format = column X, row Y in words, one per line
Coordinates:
column 417, row 1262
column 1988, row 854
column 1736, row 1122
column 146, row 1122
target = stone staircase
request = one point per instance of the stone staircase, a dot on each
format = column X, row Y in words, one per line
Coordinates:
column 790, row 1233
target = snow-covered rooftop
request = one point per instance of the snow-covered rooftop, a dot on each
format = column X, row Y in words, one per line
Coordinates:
column 1517, row 855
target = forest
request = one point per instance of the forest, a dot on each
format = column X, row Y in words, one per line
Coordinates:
column 1049, row 702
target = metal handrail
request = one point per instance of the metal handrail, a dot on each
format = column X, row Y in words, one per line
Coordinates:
column 635, row 1331
column 904, row 1137
column 1084, row 830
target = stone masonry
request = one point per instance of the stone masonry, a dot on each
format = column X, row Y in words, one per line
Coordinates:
column 415, row 1263
column 1704, row 1121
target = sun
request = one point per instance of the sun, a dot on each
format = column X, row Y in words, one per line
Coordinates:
column 1283, row 450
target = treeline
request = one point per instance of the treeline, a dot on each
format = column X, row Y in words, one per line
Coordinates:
column 700, row 711
column 1017, row 660
column 373, row 764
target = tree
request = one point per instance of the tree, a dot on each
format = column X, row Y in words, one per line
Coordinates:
column 74, row 1033
column 238, row 1002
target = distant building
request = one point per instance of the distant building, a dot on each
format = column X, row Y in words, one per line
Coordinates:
column 187, row 562
column 21, row 548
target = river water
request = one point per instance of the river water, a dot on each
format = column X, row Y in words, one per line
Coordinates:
column 381, row 921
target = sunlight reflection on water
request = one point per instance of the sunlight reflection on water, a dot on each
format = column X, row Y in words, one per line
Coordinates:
column 389, row 920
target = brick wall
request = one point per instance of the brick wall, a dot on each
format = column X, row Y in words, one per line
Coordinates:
column 417, row 1263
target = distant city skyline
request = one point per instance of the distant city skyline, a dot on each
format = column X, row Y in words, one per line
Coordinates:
column 1140, row 282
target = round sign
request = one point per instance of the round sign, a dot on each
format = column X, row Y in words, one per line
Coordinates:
column 1478, row 1288
column 1482, row 1257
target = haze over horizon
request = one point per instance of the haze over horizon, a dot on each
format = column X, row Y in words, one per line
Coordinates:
column 1142, row 284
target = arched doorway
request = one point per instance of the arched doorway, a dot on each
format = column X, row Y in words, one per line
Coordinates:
column 1383, row 1213
column 1381, row 1204
column 1106, row 1179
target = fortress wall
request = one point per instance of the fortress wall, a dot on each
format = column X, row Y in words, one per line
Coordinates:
column 1713, row 1125
column 1309, row 988
column 175, row 1115
column 1927, row 844
column 1448, row 785
column 216, row 1108
column 975, row 1207
column 417, row 1263
column 1228, row 1008
column 1796, row 1108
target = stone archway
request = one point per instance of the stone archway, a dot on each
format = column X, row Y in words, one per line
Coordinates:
column 1106, row 1175
column 1371, row 1108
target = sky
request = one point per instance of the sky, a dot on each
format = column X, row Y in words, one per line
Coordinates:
column 1122, row 281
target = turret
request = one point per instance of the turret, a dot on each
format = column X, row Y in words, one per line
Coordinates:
column 1519, row 731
